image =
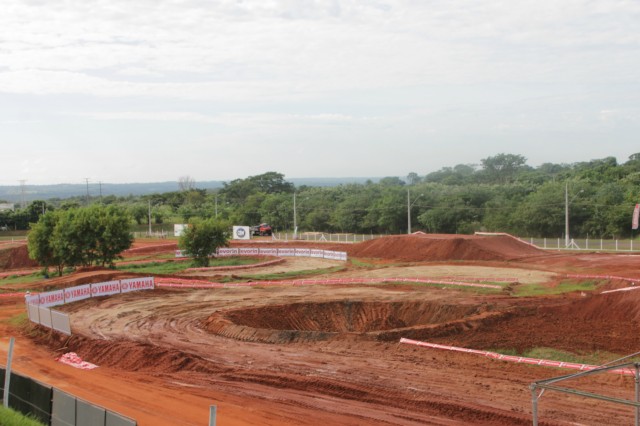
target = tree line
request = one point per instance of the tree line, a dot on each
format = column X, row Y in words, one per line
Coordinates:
column 500, row 194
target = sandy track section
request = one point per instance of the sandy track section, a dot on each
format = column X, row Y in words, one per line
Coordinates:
column 351, row 380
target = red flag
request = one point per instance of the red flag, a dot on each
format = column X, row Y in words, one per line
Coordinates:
column 636, row 216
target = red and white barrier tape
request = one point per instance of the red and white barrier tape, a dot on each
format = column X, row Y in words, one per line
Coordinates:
column 517, row 359
column 12, row 294
column 185, row 283
column 603, row 277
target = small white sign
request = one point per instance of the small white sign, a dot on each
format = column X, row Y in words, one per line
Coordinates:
column 241, row 232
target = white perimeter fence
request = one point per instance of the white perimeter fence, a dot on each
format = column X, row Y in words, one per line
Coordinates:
column 277, row 252
column 584, row 244
column 39, row 305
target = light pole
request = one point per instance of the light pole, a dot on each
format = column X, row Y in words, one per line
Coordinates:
column 566, row 212
column 409, row 204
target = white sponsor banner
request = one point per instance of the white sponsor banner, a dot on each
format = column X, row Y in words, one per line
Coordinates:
column 249, row 251
column 73, row 294
column 105, row 289
column 303, row 252
column 335, row 255
column 241, row 232
column 34, row 313
column 178, row 229
column 32, row 299
column 286, row 252
column 227, row 252
column 45, row 316
column 52, row 298
column 181, row 253
column 60, row 322
column 136, row 284
column 268, row 252
column 316, row 253
column 636, row 217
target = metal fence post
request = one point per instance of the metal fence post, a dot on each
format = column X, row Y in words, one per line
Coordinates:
column 637, row 393
column 212, row 415
column 534, row 404
column 7, row 376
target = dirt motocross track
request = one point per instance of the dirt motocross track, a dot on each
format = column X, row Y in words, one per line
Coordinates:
column 330, row 354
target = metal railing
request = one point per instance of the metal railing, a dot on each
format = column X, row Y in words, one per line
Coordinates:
column 589, row 244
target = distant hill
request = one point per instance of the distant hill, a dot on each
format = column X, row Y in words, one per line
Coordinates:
column 13, row 194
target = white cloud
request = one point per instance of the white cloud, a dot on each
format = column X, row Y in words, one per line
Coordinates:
column 397, row 73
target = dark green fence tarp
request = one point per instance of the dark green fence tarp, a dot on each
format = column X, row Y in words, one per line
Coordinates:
column 30, row 397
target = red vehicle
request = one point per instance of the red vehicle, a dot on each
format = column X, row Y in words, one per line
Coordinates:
column 264, row 229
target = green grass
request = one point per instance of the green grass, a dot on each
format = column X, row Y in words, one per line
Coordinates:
column 180, row 266
column 566, row 286
column 21, row 279
column 156, row 267
column 9, row 417
column 294, row 274
column 593, row 358
column 19, row 320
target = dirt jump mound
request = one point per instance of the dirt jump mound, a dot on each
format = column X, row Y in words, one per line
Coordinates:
column 439, row 247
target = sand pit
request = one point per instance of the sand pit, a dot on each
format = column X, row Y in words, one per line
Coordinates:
column 307, row 355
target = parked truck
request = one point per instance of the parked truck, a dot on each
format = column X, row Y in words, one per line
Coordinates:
column 264, row 229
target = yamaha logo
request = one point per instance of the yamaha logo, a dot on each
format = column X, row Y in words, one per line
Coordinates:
column 240, row 232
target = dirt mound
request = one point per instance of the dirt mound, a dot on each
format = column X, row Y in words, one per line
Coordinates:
column 139, row 248
column 585, row 325
column 15, row 258
column 436, row 247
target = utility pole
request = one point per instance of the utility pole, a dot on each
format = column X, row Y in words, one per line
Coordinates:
column 566, row 215
column 295, row 217
column 567, row 240
column 87, row 180
column 100, row 184
column 149, row 217
column 408, row 212
column 23, row 202
column 409, row 204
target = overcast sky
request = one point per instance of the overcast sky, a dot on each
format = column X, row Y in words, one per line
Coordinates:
column 151, row 90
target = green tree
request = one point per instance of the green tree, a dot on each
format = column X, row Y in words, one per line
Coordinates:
column 111, row 228
column 83, row 236
column 41, row 245
column 202, row 237
column 502, row 168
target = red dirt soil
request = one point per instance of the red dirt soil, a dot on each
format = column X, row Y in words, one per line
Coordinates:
column 16, row 258
column 330, row 355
